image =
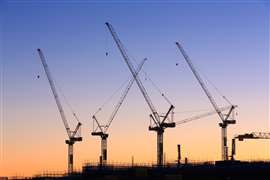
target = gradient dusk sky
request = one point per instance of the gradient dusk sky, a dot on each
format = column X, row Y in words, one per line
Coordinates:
column 227, row 41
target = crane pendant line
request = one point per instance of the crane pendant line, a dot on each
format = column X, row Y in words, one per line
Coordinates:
column 132, row 70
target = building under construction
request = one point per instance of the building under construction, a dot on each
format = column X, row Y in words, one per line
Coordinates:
column 233, row 170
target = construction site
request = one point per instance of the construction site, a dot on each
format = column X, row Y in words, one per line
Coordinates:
column 169, row 164
column 226, row 168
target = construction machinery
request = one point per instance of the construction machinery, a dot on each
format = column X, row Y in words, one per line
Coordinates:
column 101, row 130
column 160, row 123
column 225, row 119
column 196, row 117
column 242, row 137
column 73, row 136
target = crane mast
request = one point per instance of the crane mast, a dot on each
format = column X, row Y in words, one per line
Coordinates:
column 71, row 134
column 160, row 124
column 225, row 121
column 242, row 137
column 103, row 132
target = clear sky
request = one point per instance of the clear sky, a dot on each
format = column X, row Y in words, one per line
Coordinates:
column 227, row 41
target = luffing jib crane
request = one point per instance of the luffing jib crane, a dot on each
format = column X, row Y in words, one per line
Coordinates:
column 102, row 129
column 224, row 118
column 160, row 122
column 72, row 135
column 242, row 137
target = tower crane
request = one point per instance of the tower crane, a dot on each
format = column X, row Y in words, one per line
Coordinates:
column 73, row 136
column 102, row 129
column 242, row 137
column 160, row 123
column 225, row 121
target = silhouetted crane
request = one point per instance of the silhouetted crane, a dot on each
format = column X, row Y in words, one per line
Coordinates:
column 242, row 137
column 224, row 118
column 160, row 122
column 102, row 129
column 72, row 135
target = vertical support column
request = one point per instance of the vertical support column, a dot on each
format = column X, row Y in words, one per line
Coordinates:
column 233, row 149
column 100, row 161
column 70, row 157
column 160, row 147
column 104, row 150
column 179, row 154
column 224, row 146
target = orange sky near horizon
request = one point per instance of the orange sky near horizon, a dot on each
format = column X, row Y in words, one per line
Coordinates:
column 200, row 141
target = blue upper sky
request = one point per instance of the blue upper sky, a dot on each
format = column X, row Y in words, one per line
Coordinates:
column 222, row 38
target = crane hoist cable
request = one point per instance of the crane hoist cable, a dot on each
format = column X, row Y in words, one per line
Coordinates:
column 215, row 88
column 66, row 101
column 213, row 85
column 123, row 95
column 58, row 87
column 121, row 87
column 156, row 87
column 107, row 100
column 113, row 94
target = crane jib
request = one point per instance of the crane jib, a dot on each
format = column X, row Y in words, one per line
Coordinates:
column 56, row 97
column 122, row 98
column 132, row 70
